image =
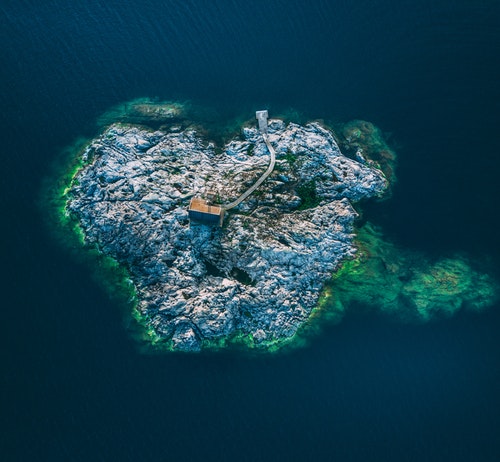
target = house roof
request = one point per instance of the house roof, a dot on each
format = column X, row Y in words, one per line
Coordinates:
column 201, row 205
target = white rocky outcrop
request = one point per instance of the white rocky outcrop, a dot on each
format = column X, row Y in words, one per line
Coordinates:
column 261, row 274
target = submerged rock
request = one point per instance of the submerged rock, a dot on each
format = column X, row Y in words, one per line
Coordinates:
column 257, row 278
column 407, row 283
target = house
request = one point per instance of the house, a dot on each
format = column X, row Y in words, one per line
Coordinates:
column 201, row 211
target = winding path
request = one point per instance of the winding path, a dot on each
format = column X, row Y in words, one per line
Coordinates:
column 263, row 130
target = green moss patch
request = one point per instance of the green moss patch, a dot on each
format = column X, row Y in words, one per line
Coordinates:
column 307, row 193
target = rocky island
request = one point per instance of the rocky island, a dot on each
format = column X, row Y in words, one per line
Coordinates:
column 260, row 275
column 255, row 281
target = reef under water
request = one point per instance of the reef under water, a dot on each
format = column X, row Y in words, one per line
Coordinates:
column 406, row 283
column 364, row 268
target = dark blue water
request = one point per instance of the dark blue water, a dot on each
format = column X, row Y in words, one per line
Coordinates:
column 74, row 387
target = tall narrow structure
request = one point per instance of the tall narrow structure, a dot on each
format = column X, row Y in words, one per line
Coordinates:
column 262, row 116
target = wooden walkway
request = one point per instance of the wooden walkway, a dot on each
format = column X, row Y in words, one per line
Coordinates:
column 262, row 118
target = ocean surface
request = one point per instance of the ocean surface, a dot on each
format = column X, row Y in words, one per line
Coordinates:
column 74, row 386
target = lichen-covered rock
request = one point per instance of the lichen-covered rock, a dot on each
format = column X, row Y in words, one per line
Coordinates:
column 260, row 275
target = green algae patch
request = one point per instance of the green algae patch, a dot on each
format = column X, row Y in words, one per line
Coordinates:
column 246, row 343
column 406, row 283
column 54, row 195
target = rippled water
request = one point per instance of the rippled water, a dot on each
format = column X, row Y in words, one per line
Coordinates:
column 74, row 386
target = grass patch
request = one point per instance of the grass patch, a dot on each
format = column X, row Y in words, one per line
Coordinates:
column 290, row 157
column 308, row 195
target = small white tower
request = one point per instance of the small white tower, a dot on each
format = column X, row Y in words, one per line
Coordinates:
column 261, row 116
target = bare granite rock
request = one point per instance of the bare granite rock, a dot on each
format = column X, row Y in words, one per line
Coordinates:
column 260, row 275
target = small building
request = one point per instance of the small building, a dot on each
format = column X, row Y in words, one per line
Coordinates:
column 202, row 211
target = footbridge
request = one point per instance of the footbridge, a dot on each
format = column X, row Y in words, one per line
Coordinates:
column 262, row 118
column 203, row 211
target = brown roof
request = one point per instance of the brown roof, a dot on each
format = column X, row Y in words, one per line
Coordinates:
column 198, row 204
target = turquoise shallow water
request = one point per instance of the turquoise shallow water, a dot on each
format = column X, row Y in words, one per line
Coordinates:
column 74, row 386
